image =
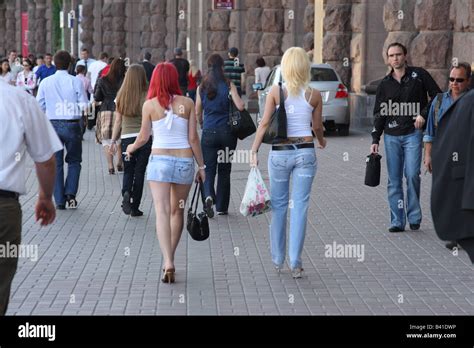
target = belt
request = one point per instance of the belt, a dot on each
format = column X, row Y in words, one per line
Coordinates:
column 68, row 121
column 9, row 194
column 292, row 146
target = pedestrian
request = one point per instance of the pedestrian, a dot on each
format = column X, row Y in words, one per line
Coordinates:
column 106, row 92
column 294, row 158
column 171, row 167
column 72, row 67
column 148, row 66
column 39, row 62
column 234, row 69
column 94, row 68
column 459, row 78
column 26, row 79
column 182, row 65
column 128, row 120
column 5, row 73
column 194, row 78
column 15, row 61
column 63, row 99
column 401, row 109
column 452, row 192
column 47, row 69
column 80, row 74
column 24, row 128
column 85, row 60
column 212, row 99
column 262, row 72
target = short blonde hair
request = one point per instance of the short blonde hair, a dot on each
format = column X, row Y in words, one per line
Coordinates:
column 296, row 69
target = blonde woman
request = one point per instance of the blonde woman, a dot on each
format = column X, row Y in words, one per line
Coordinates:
column 194, row 79
column 293, row 158
column 128, row 121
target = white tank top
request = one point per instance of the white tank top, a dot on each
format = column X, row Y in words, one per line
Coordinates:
column 170, row 132
column 299, row 114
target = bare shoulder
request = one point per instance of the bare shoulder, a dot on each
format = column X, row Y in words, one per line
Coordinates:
column 316, row 97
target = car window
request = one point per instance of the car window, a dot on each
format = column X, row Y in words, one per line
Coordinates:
column 323, row 74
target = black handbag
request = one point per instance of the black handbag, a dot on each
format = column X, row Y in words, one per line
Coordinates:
column 277, row 129
column 197, row 225
column 240, row 122
column 372, row 170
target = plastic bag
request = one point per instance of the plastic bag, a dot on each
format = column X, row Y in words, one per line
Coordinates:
column 256, row 199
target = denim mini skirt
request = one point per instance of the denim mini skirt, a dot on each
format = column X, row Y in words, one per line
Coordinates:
column 171, row 169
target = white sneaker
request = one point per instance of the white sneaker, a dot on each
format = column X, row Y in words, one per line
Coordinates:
column 297, row 273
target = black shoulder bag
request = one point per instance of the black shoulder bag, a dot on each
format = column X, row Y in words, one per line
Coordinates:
column 277, row 129
column 197, row 225
column 240, row 122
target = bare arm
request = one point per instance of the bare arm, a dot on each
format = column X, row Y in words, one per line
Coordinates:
column 117, row 126
column 239, row 103
column 318, row 128
column 194, row 138
column 199, row 106
column 46, row 172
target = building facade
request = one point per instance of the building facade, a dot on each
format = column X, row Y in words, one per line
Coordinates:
column 356, row 32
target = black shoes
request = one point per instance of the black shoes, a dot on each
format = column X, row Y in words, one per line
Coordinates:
column 126, row 205
column 414, row 227
column 396, row 229
column 222, row 213
column 71, row 201
column 61, row 207
column 208, row 203
column 136, row 212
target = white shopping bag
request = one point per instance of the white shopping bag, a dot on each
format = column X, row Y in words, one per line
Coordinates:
column 256, row 199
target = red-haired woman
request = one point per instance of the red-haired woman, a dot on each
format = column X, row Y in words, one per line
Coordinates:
column 171, row 166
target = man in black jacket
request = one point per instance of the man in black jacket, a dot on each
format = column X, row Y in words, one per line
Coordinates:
column 182, row 65
column 148, row 66
column 401, row 109
column 452, row 193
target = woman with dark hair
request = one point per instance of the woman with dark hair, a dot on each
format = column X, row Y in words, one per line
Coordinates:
column 171, row 166
column 105, row 92
column 5, row 72
column 212, row 98
column 26, row 79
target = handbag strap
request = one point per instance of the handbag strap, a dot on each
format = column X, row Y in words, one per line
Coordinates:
column 198, row 185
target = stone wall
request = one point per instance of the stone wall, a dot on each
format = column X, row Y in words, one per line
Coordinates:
column 10, row 25
column 87, row 35
column 462, row 18
column 3, row 28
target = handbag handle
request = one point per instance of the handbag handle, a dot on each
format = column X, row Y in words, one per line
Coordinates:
column 198, row 185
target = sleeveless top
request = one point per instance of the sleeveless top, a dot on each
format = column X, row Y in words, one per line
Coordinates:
column 216, row 111
column 299, row 113
column 170, row 132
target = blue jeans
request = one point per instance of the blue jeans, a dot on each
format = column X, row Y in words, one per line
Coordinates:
column 214, row 144
column 301, row 165
column 70, row 135
column 404, row 158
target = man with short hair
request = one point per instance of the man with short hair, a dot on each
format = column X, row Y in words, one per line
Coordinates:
column 63, row 98
column 24, row 128
column 401, row 109
column 47, row 69
column 182, row 65
column 459, row 78
column 16, row 65
column 95, row 68
column 85, row 60
column 233, row 69
column 148, row 66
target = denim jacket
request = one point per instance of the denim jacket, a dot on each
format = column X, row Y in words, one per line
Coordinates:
column 430, row 132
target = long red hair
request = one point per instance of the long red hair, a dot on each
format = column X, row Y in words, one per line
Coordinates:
column 164, row 84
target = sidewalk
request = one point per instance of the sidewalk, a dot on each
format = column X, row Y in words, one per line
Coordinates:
column 97, row 261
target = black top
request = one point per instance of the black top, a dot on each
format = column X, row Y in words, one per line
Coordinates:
column 106, row 93
column 398, row 103
column 148, row 69
column 183, row 69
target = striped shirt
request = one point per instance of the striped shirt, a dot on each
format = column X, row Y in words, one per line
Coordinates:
column 233, row 71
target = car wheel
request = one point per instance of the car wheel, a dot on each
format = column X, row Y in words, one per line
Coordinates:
column 343, row 130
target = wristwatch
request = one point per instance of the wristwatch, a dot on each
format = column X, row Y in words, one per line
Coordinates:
column 203, row 167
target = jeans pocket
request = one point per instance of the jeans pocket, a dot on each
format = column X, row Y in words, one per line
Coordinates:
column 278, row 161
column 184, row 170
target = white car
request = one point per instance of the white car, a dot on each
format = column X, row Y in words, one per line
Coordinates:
column 335, row 95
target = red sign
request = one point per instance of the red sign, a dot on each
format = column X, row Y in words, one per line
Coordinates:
column 223, row 4
column 24, row 34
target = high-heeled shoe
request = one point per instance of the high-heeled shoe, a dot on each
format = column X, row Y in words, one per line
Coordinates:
column 168, row 276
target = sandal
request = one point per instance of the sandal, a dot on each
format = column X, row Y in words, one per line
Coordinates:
column 111, row 171
column 120, row 167
column 168, row 276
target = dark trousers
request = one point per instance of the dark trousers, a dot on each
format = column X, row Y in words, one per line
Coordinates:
column 468, row 245
column 216, row 145
column 10, row 232
column 134, row 170
column 70, row 135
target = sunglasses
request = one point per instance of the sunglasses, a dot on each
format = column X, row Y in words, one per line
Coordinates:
column 452, row 79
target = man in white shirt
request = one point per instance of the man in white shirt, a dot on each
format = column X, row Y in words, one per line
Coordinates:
column 95, row 68
column 63, row 98
column 24, row 128
column 85, row 59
